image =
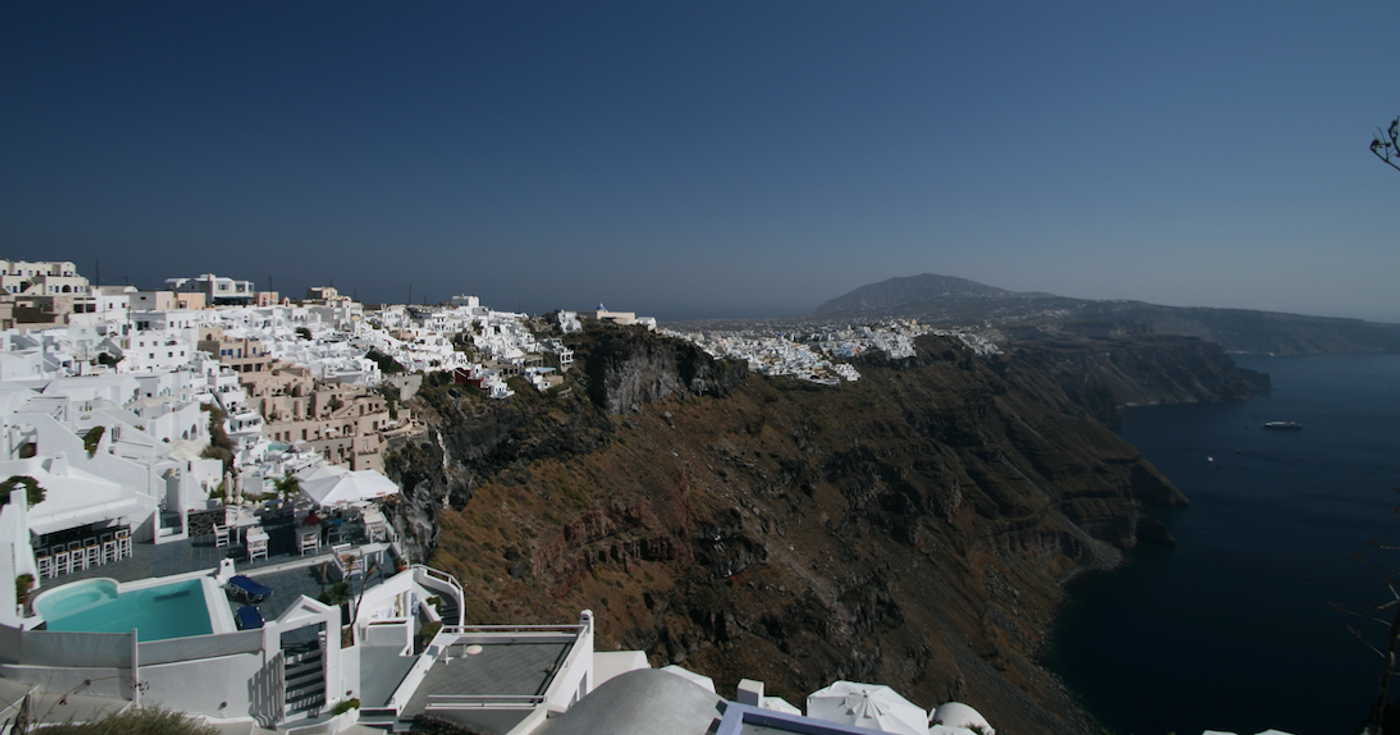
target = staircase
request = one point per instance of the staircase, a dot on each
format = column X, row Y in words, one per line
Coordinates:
column 169, row 523
column 305, row 680
column 449, row 609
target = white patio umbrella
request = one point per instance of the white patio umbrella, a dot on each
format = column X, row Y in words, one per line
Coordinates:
column 872, row 706
column 332, row 488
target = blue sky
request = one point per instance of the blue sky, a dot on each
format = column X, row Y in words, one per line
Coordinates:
column 709, row 159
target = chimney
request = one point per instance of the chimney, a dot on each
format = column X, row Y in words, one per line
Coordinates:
column 58, row 465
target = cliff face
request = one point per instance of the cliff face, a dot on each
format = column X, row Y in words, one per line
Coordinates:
column 913, row 528
column 1104, row 366
column 1244, row 330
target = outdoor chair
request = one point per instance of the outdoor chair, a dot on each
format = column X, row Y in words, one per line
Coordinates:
column 248, row 589
column 62, row 561
column 109, row 547
column 257, row 548
column 248, row 618
column 220, row 536
column 46, row 566
column 310, row 540
column 93, row 554
column 123, row 543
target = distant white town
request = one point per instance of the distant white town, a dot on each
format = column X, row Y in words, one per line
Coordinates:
column 196, row 518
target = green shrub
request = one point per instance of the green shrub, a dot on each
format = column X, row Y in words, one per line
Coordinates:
column 92, row 438
column 34, row 494
column 345, row 706
column 144, row 721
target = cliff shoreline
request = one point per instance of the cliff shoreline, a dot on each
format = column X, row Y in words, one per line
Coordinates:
column 916, row 528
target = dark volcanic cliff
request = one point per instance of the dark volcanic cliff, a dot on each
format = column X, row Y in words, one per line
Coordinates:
column 1104, row 366
column 913, row 528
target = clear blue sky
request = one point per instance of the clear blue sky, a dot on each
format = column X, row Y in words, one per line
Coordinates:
column 710, row 159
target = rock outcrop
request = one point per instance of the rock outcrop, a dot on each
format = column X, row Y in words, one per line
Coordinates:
column 914, row 528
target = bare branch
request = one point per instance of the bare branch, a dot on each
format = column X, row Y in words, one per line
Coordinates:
column 1386, row 145
column 1363, row 640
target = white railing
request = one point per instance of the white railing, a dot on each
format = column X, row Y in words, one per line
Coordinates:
column 430, row 575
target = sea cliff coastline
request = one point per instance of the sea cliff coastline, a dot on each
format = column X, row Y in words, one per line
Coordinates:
column 915, row 528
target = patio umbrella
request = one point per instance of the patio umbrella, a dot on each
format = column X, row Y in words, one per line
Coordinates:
column 344, row 487
column 872, row 706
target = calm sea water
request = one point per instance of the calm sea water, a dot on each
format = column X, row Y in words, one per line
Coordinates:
column 1232, row 629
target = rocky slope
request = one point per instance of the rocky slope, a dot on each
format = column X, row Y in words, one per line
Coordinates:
column 914, row 528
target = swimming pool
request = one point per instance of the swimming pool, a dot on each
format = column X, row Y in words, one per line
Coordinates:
column 170, row 610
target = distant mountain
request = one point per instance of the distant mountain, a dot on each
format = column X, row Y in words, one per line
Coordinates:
column 899, row 291
column 956, row 301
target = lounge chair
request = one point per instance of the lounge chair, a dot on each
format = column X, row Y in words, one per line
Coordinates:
column 248, row 618
column 248, row 589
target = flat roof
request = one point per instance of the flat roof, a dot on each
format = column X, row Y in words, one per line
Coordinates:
column 508, row 669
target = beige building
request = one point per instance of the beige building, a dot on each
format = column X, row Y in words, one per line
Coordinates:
column 243, row 354
column 166, row 300
column 346, row 423
column 41, row 278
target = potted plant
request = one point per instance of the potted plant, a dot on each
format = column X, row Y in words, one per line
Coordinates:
column 23, row 584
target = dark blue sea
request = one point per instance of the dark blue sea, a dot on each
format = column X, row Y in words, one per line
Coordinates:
column 1232, row 629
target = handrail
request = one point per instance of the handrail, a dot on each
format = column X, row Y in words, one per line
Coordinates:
column 484, row 700
column 561, row 628
column 452, row 582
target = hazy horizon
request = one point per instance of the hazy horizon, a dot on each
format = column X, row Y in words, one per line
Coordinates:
column 708, row 160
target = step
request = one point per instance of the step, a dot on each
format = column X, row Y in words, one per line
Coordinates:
column 304, row 665
column 312, row 656
column 312, row 680
column 299, row 707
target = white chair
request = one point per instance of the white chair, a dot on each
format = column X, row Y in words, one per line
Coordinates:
column 220, row 535
column 46, row 566
column 310, row 540
column 109, row 551
column 62, row 561
column 123, row 543
column 92, row 554
column 257, row 546
column 77, row 560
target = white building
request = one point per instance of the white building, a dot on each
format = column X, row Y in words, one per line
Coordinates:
column 41, row 278
column 216, row 289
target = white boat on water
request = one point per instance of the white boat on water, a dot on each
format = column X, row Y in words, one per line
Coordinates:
column 1283, row 425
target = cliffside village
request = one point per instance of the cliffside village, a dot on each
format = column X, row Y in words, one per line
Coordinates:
column 195, row 517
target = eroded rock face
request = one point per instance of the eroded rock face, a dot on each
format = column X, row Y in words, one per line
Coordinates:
column 627, row 369
column 913, row 528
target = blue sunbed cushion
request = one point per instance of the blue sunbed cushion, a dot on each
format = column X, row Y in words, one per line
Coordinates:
column 249, row 587
column 248, row 618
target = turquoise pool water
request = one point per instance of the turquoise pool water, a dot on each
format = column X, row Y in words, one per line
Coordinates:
column 173, row 610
